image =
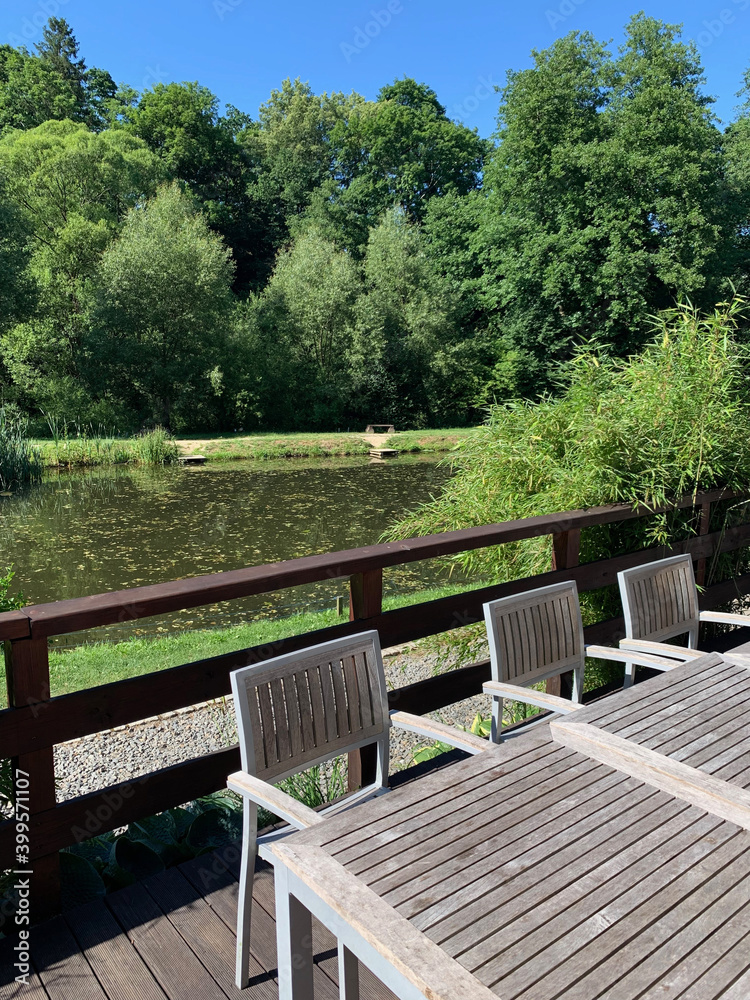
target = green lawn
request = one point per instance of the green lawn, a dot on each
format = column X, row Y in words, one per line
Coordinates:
column 430, row 441
column 102, row 662
column 92, row 450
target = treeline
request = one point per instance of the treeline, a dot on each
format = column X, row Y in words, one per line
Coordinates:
column 337, row 260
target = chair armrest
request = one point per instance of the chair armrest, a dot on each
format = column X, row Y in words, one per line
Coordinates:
column 626, row 656
column 725, row 617
column 514, row 692
column 273, row 799
column 662, row 649
column 438, row 731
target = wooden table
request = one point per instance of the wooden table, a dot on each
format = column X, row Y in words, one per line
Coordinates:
column 606, row 855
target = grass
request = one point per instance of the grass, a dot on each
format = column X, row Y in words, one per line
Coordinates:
column 430, row 440
column 271, row 446
column 103, row 662
column 76, row 446
column 80, row 446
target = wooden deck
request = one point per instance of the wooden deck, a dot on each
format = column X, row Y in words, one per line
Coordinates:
column 171, row 936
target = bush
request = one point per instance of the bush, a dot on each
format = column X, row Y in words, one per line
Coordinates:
column 156, row 447
column 671, row 421
column 20, row 463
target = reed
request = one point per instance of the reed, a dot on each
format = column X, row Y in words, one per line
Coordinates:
column 20, row 462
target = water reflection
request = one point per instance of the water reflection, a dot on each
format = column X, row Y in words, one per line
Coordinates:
column 106, row 529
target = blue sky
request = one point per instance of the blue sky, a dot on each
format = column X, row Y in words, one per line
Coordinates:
column 241, row 49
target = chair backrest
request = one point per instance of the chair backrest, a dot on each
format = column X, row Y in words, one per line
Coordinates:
column 307, row 707
column 660, row 599
column 536, row 635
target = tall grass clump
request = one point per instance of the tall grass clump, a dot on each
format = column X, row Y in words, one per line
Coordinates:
column 20, row 462
column 156, row 447
column 673, row 420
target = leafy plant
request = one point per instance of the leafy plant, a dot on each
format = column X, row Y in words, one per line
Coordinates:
column 156, row 447
column 318, row 785
column 147, row 847
column 20, row 462
column 673, row 420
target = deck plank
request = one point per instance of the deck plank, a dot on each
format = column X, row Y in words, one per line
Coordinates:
column 181, row 975
column 119, row 968
column 9, row 988
column 62, row 967
column 207, row 936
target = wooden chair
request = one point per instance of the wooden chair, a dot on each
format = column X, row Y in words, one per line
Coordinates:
column 302, row 709
column 660, row 601
column 539, row 635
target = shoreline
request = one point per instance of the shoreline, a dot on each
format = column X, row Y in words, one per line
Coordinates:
column 92, row 451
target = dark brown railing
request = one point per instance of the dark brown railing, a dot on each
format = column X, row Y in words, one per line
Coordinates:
column 35, row 722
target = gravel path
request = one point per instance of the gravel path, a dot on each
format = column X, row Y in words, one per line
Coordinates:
column 122, row 754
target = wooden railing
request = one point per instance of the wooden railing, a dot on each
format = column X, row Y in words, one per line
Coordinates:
column 35, row 722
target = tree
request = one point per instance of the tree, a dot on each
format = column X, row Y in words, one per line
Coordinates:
column 31, row 92
column 16, row 286
column 606, row 197
column 54, row 84
column 163, row 314
column 404, row 329
column 180, row 123
column 308, row 310
column 72, row 189
column 737, row 157
column 399, row 151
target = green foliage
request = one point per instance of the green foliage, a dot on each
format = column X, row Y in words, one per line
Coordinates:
column 8, row 601
column 668, row 422
column 318, row 785
column 384, row 261
column 20, row 462
column 156, row 447
column 103, row 864
column 607, row 197
column 162, row 312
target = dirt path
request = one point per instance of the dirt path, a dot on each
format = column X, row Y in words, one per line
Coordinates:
column 376, row 440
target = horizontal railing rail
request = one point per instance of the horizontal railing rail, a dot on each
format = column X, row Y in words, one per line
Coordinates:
column 35, row 722
column 62, row 617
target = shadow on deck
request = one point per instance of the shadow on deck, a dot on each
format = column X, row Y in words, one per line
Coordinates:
column 171, row 935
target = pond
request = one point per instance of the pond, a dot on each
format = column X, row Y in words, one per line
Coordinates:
column 106, row 529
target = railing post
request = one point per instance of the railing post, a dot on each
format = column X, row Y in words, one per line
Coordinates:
column 365, row 601
column 704, row 524
column 28, row 682
column 566, row 548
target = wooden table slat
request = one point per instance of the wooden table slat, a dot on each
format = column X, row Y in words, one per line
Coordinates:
column 529, row 906
column 387, row 851
column 498, row 829
column 587, row 945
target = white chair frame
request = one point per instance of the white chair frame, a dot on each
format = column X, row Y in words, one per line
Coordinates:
column 538, row 635
column 301, row 709
column 660, row 601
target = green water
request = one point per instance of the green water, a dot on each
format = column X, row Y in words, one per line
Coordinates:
column 108, row 529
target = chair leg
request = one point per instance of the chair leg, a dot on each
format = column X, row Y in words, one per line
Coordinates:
column 497, row 720
column 348, row 974
column 577, row 693
column 245, row 894
column 629, row 678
